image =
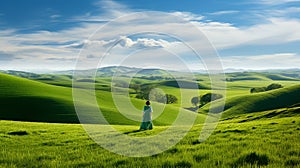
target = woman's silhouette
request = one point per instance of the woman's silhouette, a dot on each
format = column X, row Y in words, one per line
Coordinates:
column 147, row 117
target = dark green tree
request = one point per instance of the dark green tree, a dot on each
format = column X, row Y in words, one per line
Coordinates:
column 158, row 96
column 258, row 89
column 263, row 89
column 274, row 86
column 135, row 87
column 195, row 101
column 144, row 92
column 171, row 99
column 209, row 97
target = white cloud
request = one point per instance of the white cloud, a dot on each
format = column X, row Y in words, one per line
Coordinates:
column 143, row 43
column 145, row 58
column 81, row 44
column 225, row 12
column 109, row 9
column 110, row 5
column 188, row 16
column 288, row 13
column 64, row 45
column 7, row 57
column 275, row 2
column 55, row 16
column 266, row 61
column 125, row 42
column 276, row 31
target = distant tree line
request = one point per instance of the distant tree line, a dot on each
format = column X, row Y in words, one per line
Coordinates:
column 264, row 89
column 149, row 92
column 207, row 98
column 155, row 78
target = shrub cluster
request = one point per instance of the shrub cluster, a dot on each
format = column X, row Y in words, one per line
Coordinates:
column 263, row 89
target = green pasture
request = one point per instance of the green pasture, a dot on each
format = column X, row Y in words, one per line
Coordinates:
column 245, row 141
column 39, row 125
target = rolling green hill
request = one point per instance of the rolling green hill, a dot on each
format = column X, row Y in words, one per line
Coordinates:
column 184, row 84
column 275, row 99
column 257, row 130
column 26, row 100
column 50, row 100
column 265, row 76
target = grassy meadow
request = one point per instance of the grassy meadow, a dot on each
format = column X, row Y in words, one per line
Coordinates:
column 240, row 142
column 40, row 128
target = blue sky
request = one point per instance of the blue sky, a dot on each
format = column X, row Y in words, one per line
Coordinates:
column 48, row 34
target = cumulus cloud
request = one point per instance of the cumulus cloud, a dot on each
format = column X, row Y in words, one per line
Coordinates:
column 81, row 44
column 275, row 2
column 142, row 43
column 7, row 56
column 65, row 44
column 110, row 10
column 283, row 12
column 276, row 31
column 60, row 59
column 266, row 61
column 125, row 42
column 188, row 16
column 222, row 35
column 225, row 12
column 55, row 16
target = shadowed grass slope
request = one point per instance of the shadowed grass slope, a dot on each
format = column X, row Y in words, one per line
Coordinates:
column 26, row 100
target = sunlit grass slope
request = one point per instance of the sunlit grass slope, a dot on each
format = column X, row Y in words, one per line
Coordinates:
column 279, row 98
column 26, row 100
column 240, row 142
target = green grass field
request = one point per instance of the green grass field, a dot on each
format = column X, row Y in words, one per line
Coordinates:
column 255, row 130
column 240, row 142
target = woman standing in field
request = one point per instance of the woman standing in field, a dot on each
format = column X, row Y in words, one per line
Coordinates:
column 147, row 117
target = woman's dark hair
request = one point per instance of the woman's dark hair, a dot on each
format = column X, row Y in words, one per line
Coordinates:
column 148, row 103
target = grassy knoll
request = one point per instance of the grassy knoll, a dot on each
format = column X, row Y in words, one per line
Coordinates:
column 271, row 141
column 279, row 98
column 26, row 100
column 23, row 99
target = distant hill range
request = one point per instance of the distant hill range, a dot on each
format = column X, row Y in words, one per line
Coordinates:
column 113, row 70
column 101, row 72
column 231, row 74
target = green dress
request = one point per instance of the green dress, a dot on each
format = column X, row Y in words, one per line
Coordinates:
column 147, row 120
